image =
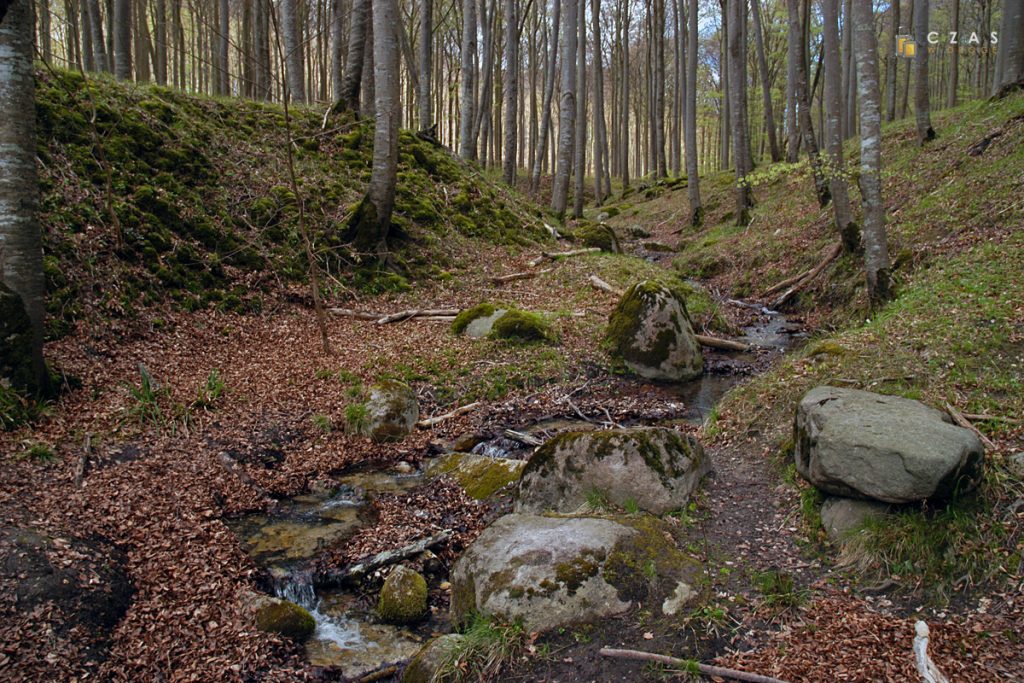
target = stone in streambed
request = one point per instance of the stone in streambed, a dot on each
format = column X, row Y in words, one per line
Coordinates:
column 391, row 412
column 285, row 618
column 403, row 598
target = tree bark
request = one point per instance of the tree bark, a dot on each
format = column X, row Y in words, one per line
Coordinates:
column 21, row 251
column 762, row 67
column 601, row 183
column 294, row 68
column 467, row 85
column 567, row 110
column 692, row 171
column 160, row 53
column 954, row 60
column 338, row 45
column 793, row 69
column 893, row 63
column 1010, row 56
column 876, row 249
column 223, row 38
column 550, row 67
column 123, row 39
column 922, row 100
column 348, row 99
column 804, row 112
column 426, row 63
column 511, row 91
column 905, row 90
column 848, row 230
column 580, row 148
column 738, row 95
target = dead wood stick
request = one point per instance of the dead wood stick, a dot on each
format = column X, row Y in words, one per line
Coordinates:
column 83, row 461
column 833, row 254
column 981, row 417
column 598, row 283
column 502, row 279
column 437, row 318
column 966, row 424
column 687, row 665
column 725, row 344
column 552, row 255
column 431, row 421
column 359, row 315
column 385, row 558
column 930, row 673
column 785, row 283
column 416, row 313
column 522, row 437
column 379, row 674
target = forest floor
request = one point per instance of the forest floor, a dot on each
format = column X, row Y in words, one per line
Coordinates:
column 242, row 410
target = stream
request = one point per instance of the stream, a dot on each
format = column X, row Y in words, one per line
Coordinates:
column 284, row 541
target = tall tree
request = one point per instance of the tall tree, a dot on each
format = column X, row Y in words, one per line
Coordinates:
column 566, row 110
column 876, row 248
column 954, row 58
column 511, row 91
column 295, row 69
column 602, row 186
column 738, row 95
column 692, row 173
column 223, row 39
column 922, row 101
column 354, row 62
column 580, row 148
column 848, row 230
column 123, row 39
column 794, row 61
column 892, row 66
column 426, row 63
column 160, row 46
column 1009, row 71
column 21, row 251
column 467, row 85
column 803, row 106
column 338, row 11
column 550, row 67
column 766, row 90
column 658, row 85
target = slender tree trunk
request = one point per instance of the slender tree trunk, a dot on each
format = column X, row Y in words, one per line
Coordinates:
column 850, row 77
column 426, row 63
column 626, row 82
column 266, row 86
column 600, row 132
column 893, row 62
column 567, row 110
column 848, row 230
column 794, row 60
column 143, row 43
column 876, row 249
column 922, row 100
column 762, row 67
column 511, row 91
column 804, row 114
column 354, row 62
column 160, row 53
column 294, row 67
column 549, row 90
column 21, row 251
column 580, row 148
column 88, row 49
column 223, row 38
column 45, row 32
column 123, row 39
column 467, row 86
column 1010, row 56
column 337, row 48
column 692, row 172
column 368, row 93
column 738, row 95
column 905, row 91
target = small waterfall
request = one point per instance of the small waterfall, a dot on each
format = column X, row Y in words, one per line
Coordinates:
column 297, row 587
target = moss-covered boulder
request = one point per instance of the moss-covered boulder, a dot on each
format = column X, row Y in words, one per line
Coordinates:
column 478, row 475
column 503, row 322
column 403, row 598
column 285, row 618
column 434, row 659
column 16, row 369
column 598, row 235
column 476, row 321
column 650, row 330
column 391, row 412
column 549, row 572
column 652, row 469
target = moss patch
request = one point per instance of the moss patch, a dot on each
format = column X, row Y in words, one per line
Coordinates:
column 287, row 619
column 598, row 235
column 403, row 598
column 466, row 316
column 524, row 326
column 479, row 476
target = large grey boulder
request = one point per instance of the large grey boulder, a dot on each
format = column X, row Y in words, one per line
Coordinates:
column 556, row 571
column 651, row 330
column 858, row 444
column 840, row 516
column 391, row 412
column 655, row 468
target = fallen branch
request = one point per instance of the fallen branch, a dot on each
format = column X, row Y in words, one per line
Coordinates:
column 431, row 421
column 981, row 417
column 522, row 437
column 380, row 674
column 552, row 255
column 82, row 468
column 689, row 665
column 785, row 283
column 724, row 344
column 384, row 559
column 359, row 315
column 598, row 283
column 966, row 424
column 925, row 666
column 500, row 280
column 417, row 313
column 832, row 255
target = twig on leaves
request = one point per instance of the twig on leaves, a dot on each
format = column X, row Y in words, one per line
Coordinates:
column 689, row 665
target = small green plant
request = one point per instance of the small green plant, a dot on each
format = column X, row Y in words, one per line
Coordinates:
column 323, row 373
column 631, row 506
column 356, row 415
column 40, row 453
column 322, row 423
column 780, row 590
column 486, row 648
column 597, row 500
column 210, row 390
column 146, row 399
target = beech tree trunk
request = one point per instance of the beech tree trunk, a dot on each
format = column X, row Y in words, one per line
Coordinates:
column 848, row 230
column 21, row 251
column 893, row 63
column 1009, row 69
column 426, row 69
column 511, row 91
column 123, row 39
column 566, row 111
column 738, row 95
column 804, row 113
column 794, row 60
column 922, row 101
column 876, row 248
column 766, row 91
column 580, row 148
column 602, row 186
column 293, row 51
column 467, row 85
column 160, row 37
column 692, row 171
column 549, row 91
column 337, row 48
column 354, row 62
column 223, row 40
column 954, row 59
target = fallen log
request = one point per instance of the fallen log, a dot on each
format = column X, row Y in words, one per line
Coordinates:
column 832, row 255
column 689, row 665
column 966, row 424
column 552, row 255
column 982, row 417
column 431, row 421
column 358, row 315
column 522, row 437
column 598, row 283
column 724, row 344
column 384, row 559
column 416, row 313
column 502, row 279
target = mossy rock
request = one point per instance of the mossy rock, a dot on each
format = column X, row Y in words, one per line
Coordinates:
column 478, row 475
column 433, row 658
column 599, row 235
column 287, row 619
column 467, row 316
column 390, row 412
column 650, row 330
column 524, row 326
column 403, row 598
